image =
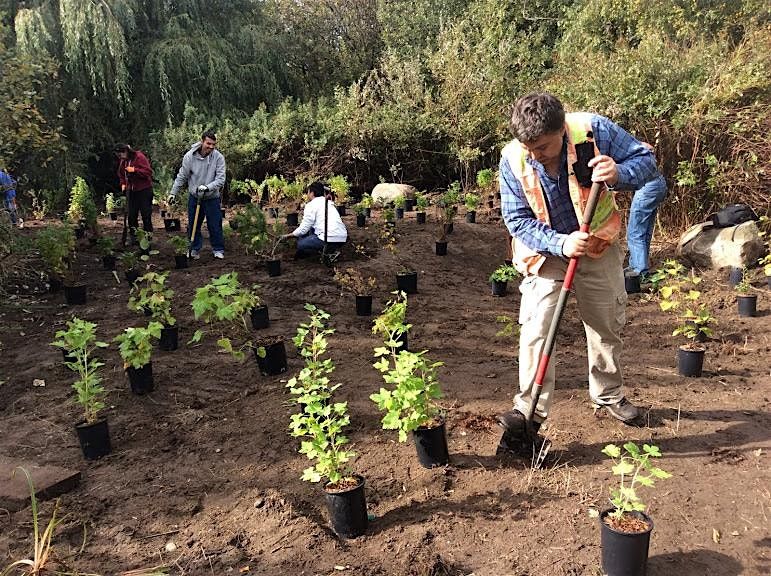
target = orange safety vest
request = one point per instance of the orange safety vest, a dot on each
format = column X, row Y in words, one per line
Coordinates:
column 606, row 224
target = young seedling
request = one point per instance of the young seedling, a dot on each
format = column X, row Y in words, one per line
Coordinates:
column 744, row 286
column 109, row 203
column 485, row 178
column 144, row 239
column 320, row 422
column 634, row 469
column 136, row 344
column 471, row 201
column 79, row 342
column 421, row 201
column 151, row 294
column 179, row 244
column 366, row 200
column 129, row 260
column 504, row 273
column 56, row 244
column 695, row 324
column 400, row 201
column 353, row 280
column 82, row 206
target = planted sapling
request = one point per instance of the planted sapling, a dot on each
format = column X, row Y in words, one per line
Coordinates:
column 136, row 344
column 179, row 244
column 56, row 245
column 354, row 281
column 504, row 273
column 743, row 286
column 471, row 201
column 421, row 201
column 320, row 423
column 153, row 297
column 400, row 201
column 106, row 246
column 341, row 188
column 144, row 239
column 694, row 326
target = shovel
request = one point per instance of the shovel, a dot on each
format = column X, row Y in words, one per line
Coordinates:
column 195, row 225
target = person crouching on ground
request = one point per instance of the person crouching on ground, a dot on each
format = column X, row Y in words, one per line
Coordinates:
column 310, row 232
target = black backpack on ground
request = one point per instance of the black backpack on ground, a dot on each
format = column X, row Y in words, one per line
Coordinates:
column 733, row 215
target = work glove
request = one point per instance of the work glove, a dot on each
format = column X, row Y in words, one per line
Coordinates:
column 122, row 187
column 130, row 169
column 202, row 191
column 171, row 199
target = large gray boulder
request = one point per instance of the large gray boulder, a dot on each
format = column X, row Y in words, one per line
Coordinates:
column 387, row 192
column 705, row 246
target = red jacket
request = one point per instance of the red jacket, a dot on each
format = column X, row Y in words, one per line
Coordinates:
column 142, row 176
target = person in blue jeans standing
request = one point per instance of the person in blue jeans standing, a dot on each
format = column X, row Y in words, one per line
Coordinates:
column 203, row 170
column 8, row 188
column 642, row 218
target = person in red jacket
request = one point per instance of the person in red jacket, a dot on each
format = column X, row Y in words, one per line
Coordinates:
column 136, row 182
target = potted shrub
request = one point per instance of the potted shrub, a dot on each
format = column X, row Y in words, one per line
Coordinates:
column 400, row 202
column 172, row 222
column 625, row 528
column 486, row 183
column 746, row 303
column 361, row 215
column 111, row 206
column 273, row 247
column 129, row 261
column 406, row 278
column 55, row 244
column 389, row 215
column 421, row 204
column 471, row 201
column 274, row 186
column 409, row 406
column 106, row 247
column 180, row 246
column 293, row 194
column 79, row 343
column 252, row 229
column 144, row 240
column 695, row 327
column 441, row 238
column 82, row 209
column 320, row 423
column 366, row 202
column 353, row 281
column 500, row 278
column 224, row 305
column 136, row 348
column 447, row 206
column 341, row 189
column 154, row 298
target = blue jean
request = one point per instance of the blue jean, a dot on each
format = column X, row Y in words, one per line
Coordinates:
column 312, row 244
column 642, row 217
column 10, row 205
column 210, row 210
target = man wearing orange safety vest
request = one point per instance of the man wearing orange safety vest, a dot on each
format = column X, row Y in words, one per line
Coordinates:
column 542, row 202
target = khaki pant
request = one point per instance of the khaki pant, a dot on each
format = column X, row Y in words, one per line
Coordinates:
column 599, row 290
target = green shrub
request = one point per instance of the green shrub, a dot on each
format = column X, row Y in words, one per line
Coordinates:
column 136, row 344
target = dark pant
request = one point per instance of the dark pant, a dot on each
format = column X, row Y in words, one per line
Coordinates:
column 140, row 201
column 311, row 244
column 210, row 210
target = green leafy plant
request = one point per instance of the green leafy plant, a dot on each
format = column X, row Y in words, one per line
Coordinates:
column 359, row 209
column 151, row 294
column 634, row 469
column 179, row 244
column 56, row 245
column 485, row 178
column 129, row 260
column 225, row 305
column 400, row 201
column 252, row 229
column 675, row 286
column 245, row 187
column 354, row 281
column 504, row 273
column 106, row 246
column 79, row 342
column 744, row 286
column 390, row 324
column 293, row 191
column 82, row 207
column 320, row 422
column 366, row 200
column 471, row 201
column 421, row 201
column 275, row 243
column 509, row 327
column 389, row 213
column 41, row 543
column 109, row 203
column 136, row 344
column 694, row 324
column 144, row 239
column 341, row 188
column 276, row 186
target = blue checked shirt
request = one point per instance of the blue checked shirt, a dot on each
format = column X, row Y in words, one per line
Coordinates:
column 636, row 165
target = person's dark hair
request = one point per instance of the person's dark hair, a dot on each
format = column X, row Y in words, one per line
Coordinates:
column 536, row 114
column 123, row 148
column 210, row 134
column 318, row 189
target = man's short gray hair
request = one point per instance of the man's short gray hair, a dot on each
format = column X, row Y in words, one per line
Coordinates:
column 536, row 114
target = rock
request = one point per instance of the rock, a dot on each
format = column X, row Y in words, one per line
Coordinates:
column 259, row 503
column 705, row 246
column 170, row 546
column 387, row 192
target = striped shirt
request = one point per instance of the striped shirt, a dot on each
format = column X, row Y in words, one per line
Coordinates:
column 635, row 163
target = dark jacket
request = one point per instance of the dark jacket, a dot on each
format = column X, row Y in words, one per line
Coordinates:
column 141, row 178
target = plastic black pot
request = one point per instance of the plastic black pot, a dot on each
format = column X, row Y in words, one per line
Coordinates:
column 222, row 211
column 291, row 219
column 172, row 224
column 624, row 553
column 113, row 216
column 54, row 284
column 441, row 248
column 471, row 217
column 274, row 267
column 348, row 510
column 108, row 262
column 361, row 220
column 259, row 317
column 75, row 295
column 141, row 379
column 275, row 359
column 363, row 305
column 94, row 439
column 273, row 212
column 407, row 282
column 131, row 275
column 747, row 305
column 632, row 284
column 341, row 210
column 420, row 217
column 431, row 444
column 690, row 362
column 409, row 204
column 735, row 275
column 169, row 339
column 180, row 261
column 80, row 233
column 163, row 213
column 399, row 213
column 368, row 212
column 499, row 288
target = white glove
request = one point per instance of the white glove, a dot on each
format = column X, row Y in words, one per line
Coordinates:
column 202, row 191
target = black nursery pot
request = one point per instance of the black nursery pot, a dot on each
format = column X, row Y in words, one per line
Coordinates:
column 163, row 213
column 259, row 317
column 363, row 305
column 499, row 288
column 735, row 275
column 441, row 248
column 222, row 211
column 75, row 295
column 273, row 212
column 54, row 284
column 108, row 262
column 431, row 444
column 94, row 439
column 632, row 284
column 172, row 224
column 624, row 553
column 399, row 213
column 341, row 210
column 407, row 282
column 113, row 216
column 747, row 305
column 471, row 217
column 275, row 359
column 169, row 338
column 420, row 217
column 690, row 362
column 180, row 261
column 131, row 275
column 141, row 379
column 348, row 510
column 291, row 219
column 274, row 267
column 409, row 204
column 368, row 212
column 80, row 233
column 361, row 220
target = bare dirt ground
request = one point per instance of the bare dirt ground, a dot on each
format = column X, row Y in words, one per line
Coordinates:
column 206, row 462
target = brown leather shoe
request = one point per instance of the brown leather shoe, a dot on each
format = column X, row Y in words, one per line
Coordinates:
column 623, row 410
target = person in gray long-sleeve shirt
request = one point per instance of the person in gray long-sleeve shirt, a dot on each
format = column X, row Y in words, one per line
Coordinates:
column 203, row 170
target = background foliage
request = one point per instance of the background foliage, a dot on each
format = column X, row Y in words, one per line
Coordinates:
column 416, row 91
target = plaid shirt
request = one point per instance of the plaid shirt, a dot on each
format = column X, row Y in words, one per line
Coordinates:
column 636, row 165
